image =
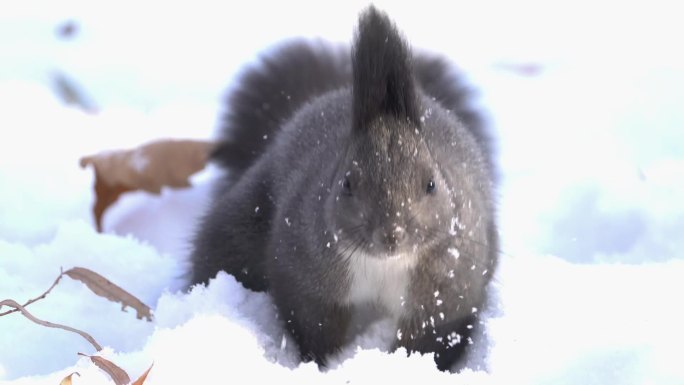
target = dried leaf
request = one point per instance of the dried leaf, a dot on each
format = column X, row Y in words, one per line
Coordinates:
column 37, row 298
column 105, row 196
column 105, row 288
column 27, row 314
column 117, row 374
column 148, row 167
column 67, row 379
column 143, row 377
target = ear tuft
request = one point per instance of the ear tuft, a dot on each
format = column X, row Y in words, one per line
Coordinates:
column 383, row 80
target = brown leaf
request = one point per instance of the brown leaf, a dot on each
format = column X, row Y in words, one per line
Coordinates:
column 143, row 377
column 105, row 196
column 27, row 314
column 105, row 288
column 117, row 374
column 67, row 379
column 148, row 167
column 37, row 298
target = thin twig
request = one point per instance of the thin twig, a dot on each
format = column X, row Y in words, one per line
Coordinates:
column 14, row 304
column 37, row 298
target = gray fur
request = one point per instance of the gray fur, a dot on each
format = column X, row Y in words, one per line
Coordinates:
column 379, row 168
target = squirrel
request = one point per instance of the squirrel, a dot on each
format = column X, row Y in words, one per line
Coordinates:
column 359, row 177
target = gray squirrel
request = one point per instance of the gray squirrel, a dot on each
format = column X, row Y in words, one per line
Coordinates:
column 358, row 179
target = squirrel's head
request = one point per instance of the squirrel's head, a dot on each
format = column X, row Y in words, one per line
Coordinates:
column 390, row 195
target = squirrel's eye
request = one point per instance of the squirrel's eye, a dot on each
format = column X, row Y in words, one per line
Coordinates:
column 346, row 186
column 431, row 187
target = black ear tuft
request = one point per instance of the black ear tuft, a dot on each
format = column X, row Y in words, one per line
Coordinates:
column 383, row 80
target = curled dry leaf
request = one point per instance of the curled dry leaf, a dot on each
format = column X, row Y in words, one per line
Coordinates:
column 117, row 374
column 148, row 167
column 67, row 379
column 143, row 377
column 35, row 299
column 27, row 314
column 107, row 289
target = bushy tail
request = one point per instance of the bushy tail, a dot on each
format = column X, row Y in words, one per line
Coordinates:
column 267, row 94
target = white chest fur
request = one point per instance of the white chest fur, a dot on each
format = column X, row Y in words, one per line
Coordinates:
column 380, row 281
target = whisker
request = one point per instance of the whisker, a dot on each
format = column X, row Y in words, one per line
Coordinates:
column 476, row 242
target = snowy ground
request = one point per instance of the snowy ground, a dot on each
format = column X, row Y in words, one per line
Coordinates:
column 591, row 210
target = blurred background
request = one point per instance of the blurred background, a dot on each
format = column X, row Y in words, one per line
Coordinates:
column 584, row 98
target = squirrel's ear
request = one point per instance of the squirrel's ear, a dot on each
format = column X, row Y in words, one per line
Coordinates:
column 383, row 81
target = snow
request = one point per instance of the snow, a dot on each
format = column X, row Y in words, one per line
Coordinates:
column 590, row 146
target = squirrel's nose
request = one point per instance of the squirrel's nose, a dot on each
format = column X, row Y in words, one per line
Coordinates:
column 390, row 238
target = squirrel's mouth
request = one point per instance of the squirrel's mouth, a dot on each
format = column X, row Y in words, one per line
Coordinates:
column 388, row 252
column 394, row 256
column 383, row 246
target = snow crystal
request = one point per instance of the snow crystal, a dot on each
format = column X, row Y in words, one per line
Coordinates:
column 452, row 227
column 454, row 252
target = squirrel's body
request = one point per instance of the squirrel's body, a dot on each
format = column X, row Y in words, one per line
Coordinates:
column 356, row 180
